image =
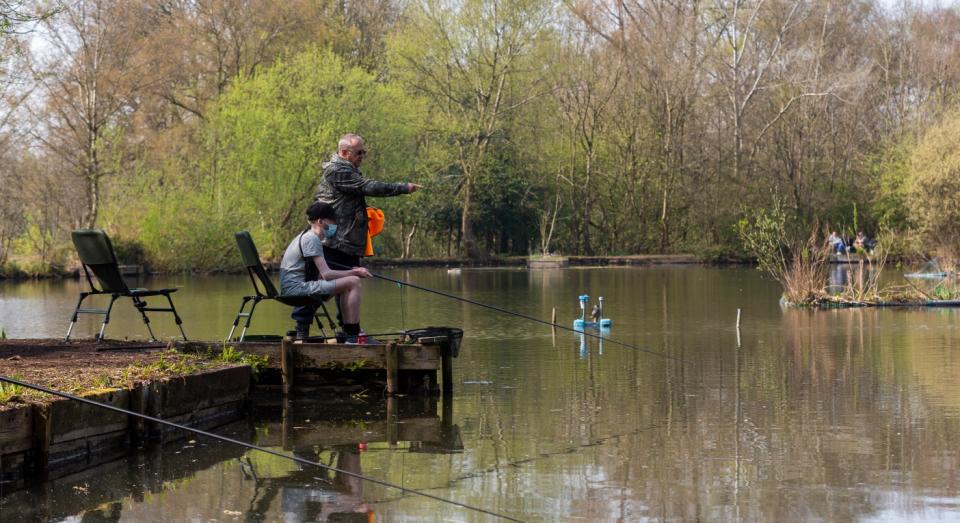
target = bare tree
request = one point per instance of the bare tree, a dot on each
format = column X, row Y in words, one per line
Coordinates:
column 470, row 60
column 88, row 79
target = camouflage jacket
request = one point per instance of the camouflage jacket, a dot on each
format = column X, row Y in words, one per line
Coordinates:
column 343, row 186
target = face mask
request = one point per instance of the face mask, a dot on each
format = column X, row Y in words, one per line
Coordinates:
column 330, row 231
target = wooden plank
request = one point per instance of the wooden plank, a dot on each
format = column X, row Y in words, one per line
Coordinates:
column 199, row 391
column 446, row 368
column 418, row 357
column 319, row 356
column 409, row 357
column 41, row 438
column 330, row 355
column 70, row 420
column 16, row 429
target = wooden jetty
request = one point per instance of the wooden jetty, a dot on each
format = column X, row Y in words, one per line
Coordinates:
column 548, row 262
column 398, row 366
column 852, row 258
column 46, row 440
column 64, row 436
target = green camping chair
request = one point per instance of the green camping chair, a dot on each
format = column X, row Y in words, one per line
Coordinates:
column 257, row 273
column 97, row 256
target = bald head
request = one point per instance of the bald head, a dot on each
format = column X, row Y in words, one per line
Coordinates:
column 350, row 148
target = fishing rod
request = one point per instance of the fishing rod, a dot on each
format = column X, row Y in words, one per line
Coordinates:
column 511, row 313
column 255, row 447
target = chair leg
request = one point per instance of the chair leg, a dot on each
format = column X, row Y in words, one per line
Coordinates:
column 246, row 325
column 76, row 313
column 333, row 326
column 106, row 317
column 323, row 332
column 236, row 321
column 140, row 305
column 176, row 317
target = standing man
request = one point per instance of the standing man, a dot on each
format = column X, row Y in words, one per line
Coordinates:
column 344, row 187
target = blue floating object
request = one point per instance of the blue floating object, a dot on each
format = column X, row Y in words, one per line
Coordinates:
column 582, row 323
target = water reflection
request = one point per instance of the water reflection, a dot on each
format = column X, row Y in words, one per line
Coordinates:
column 830, row 415
column 591, row 334
column 842, row 275
column 171, row 482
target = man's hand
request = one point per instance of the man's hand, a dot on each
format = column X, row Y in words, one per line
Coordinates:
column 413, row 187
column 360, row 272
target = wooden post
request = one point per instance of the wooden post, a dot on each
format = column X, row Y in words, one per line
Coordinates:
column 446, row 368
column 391, row 361
column 392, row 428
column 738, row 328
column 286, row 364
column 138, row 404
column 41, row 439
column 285, row 415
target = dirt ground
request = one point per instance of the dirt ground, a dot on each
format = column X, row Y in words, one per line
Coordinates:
column 84, row 365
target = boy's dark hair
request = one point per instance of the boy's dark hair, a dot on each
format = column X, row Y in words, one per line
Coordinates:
column 321, row 211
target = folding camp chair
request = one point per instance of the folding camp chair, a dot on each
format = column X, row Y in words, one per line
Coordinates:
column 256, row 271
column 97, row 256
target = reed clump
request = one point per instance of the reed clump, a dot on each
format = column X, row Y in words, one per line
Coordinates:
column 802, row 268
column 799, row 267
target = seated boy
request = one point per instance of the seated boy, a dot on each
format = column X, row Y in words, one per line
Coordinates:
column 304, row 272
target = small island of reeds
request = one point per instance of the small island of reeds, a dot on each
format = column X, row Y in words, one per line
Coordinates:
column 803, row 269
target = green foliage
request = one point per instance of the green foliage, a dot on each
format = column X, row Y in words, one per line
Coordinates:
column 259, row 158
column 889, row 172
column 10, row 391
column 933, row 195
column 765, row 238
column 102, row 382
column 172, row 362
column 270, row 134
column 800, row 267
column 231, row 355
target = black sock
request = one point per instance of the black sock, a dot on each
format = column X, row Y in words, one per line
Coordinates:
column 351, row 328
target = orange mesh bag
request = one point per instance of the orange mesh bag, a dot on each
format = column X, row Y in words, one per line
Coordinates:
column 374, row 227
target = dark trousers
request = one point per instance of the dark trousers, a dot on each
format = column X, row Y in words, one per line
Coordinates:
column 338, row 261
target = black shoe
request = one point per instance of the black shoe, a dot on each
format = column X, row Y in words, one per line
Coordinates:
column 303, row 331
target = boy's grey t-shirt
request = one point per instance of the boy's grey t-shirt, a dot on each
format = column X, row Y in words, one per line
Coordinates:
column 293, row 268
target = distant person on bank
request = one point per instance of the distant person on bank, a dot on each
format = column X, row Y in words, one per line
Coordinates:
column 304, row 272
column 344, row 187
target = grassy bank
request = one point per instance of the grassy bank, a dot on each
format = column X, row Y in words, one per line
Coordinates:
column 84, row 367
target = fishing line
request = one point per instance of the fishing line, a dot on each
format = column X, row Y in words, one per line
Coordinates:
column 514, row 313
column 255, row 447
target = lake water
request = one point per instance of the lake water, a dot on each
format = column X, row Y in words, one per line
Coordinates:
column 835, row 415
